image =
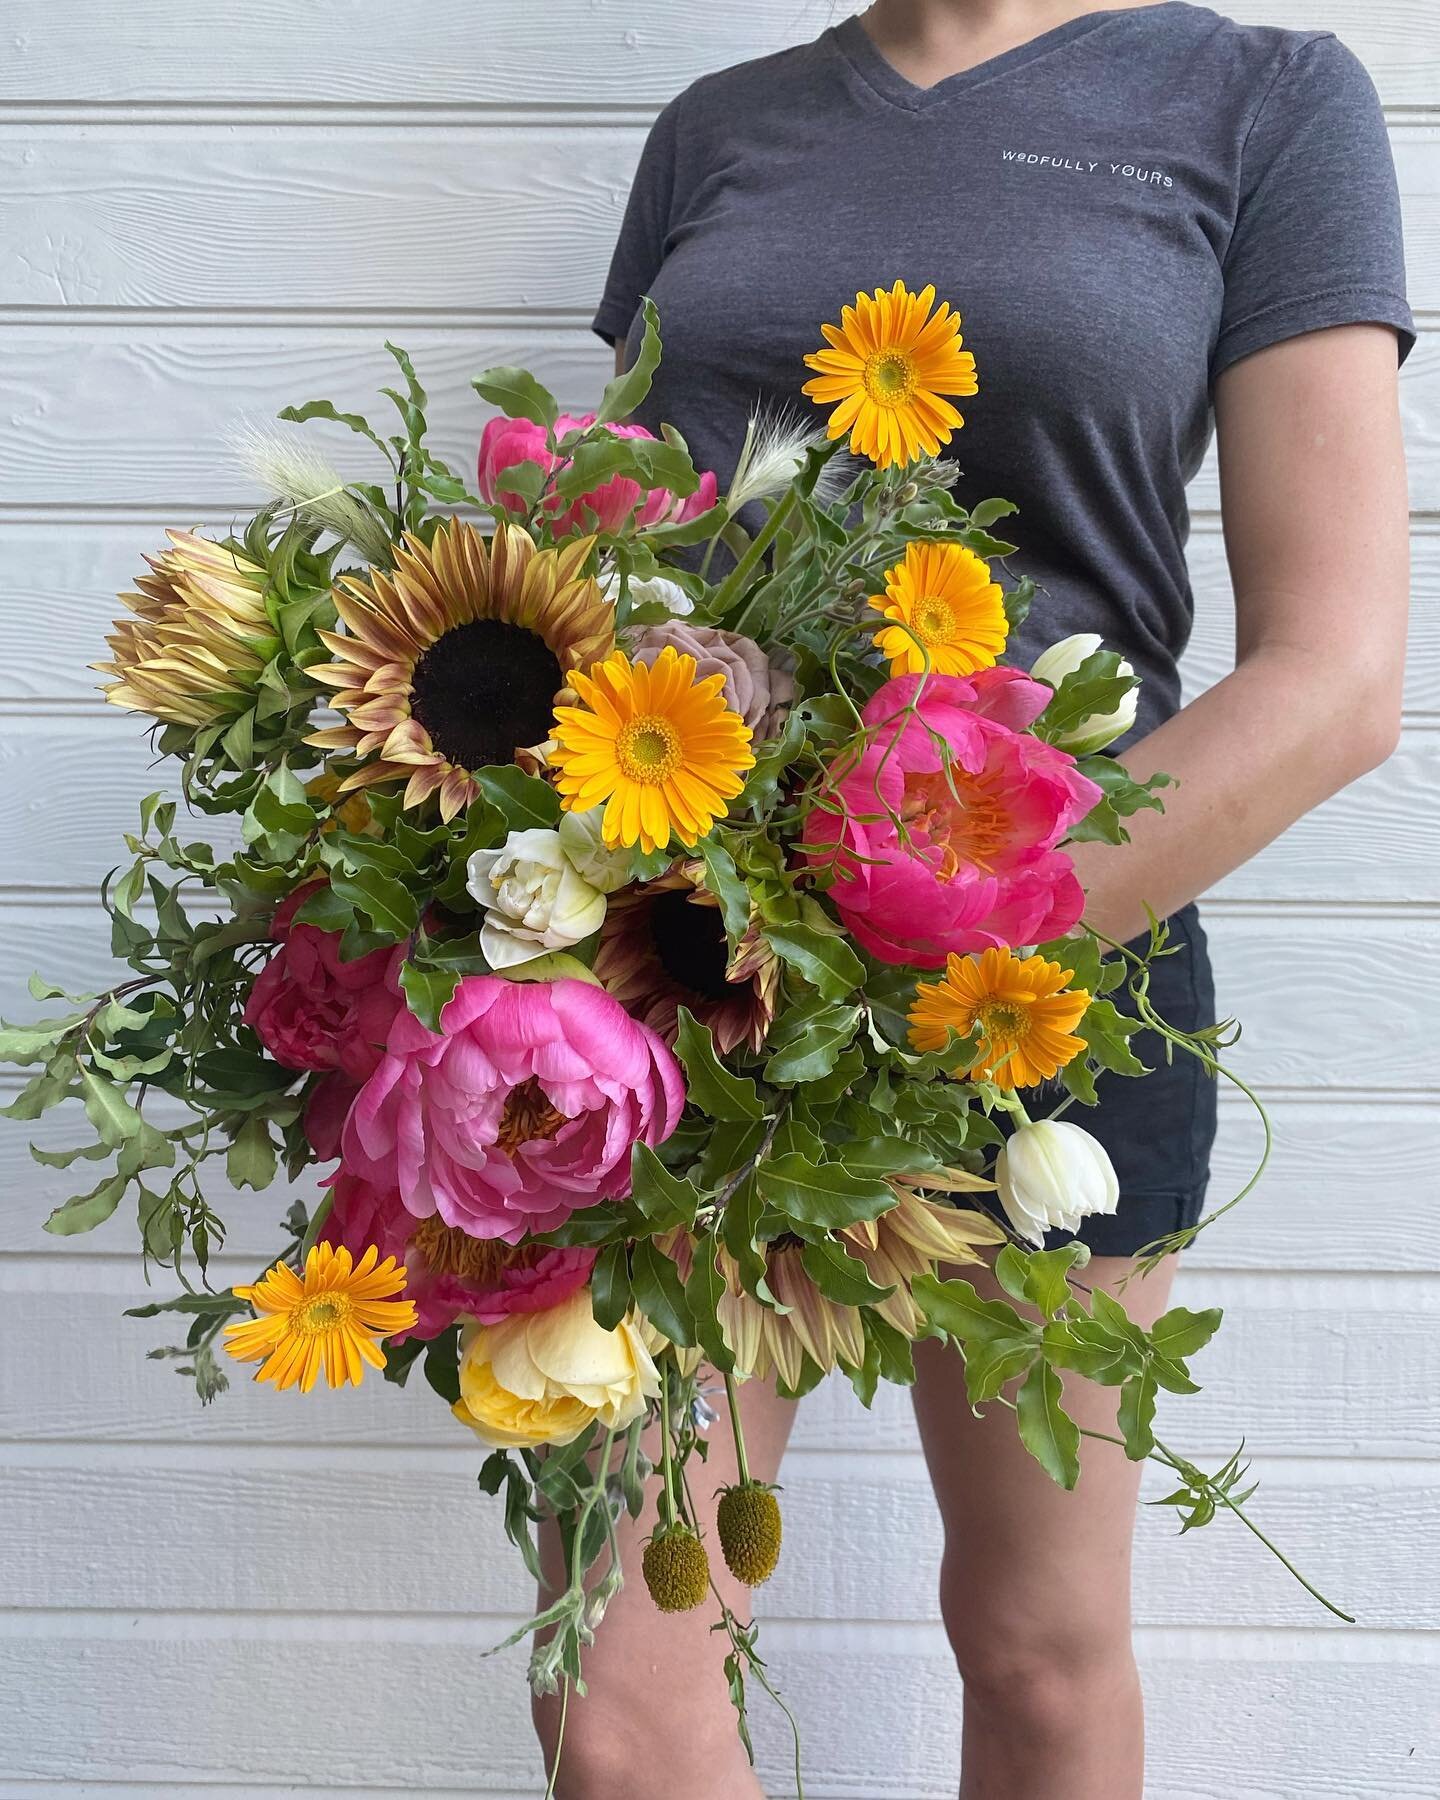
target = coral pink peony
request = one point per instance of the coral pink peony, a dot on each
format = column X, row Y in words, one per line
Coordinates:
column 311, row 1010
column 505, row 442
column 522, row 1109
column 978, row 867
column 448, row 1272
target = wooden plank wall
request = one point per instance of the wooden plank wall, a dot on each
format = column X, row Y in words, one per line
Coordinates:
column 208, row 211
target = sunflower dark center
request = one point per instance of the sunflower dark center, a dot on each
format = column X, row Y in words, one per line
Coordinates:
column 690, row 942
column 485, row 690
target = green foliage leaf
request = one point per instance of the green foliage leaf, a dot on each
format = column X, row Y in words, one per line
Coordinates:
column 659, row 1292
column 703, row 1293
column 955, row 1310
column 1137, row 1415
column 1046, row 1429
column 725, row 883
column 722, row 1094
column 839, row 1276
column 627, row 390
column 1180, row 1332
column 86, row 1211
column 825, row 959
column 524, row 800
column 666, row 1200
column 517, row 394
column 113, row 1117
column 825, row 1195
column 250, row 1160
column 382, row 899
column 1107, row 1033
column 428, row 991
column 610, row 1286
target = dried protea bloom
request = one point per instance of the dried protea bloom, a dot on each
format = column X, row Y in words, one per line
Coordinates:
column 676, row 1569
column 747, row 1522
column 910, row 1239
column 458, row 657
column 754, row 687
column 663, row 946
column 200, row 638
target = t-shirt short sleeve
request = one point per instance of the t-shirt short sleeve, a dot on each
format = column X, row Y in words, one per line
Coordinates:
column 1317, row 238
column 640, row 248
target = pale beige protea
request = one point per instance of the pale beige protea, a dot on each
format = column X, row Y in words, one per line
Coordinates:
column 910, row 1239
column 457, row 657
column 200, row 637
column 663, row 946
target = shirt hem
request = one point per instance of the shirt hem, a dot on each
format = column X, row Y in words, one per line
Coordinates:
column 1354, row 305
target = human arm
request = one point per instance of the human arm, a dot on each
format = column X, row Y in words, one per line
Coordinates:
column 1314, row 507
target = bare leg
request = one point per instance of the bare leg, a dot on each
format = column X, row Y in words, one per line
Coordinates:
column 1035, row 1584
column 657, row 1720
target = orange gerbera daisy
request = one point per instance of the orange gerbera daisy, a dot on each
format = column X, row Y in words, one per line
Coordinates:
column 948, row 614
column 1026, row 1022
column 889, row 363
column 331, row 1320
column 661, row 750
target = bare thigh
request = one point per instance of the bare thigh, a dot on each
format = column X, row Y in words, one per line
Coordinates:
column 657, row 1720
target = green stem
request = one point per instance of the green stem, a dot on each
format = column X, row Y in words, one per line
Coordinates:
column 742, row 1463
column 667, row 1457
column 559, row 1739
column 734, row 583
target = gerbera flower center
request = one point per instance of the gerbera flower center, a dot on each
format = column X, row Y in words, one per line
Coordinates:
column 889, row 377
column 485, row 690
column 323, row 1314
column 934, row 621
column 690, row 941
column 961, row 815
column 1003, row 1021
column 528, row 1114
column 447, row 1250
column 648, row 750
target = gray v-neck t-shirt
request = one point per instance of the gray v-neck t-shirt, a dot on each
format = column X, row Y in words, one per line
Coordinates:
column 1119, row 209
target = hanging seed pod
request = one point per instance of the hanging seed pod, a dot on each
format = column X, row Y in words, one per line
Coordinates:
column 676, row 1569
column 748, row 1523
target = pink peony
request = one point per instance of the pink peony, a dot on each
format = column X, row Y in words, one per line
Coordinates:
column 449, row 1273
column 505, row 442
column 979, row 868
column 522, row 1109
column 311, row 1010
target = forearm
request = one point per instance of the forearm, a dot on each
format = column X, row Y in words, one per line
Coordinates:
column 1250, row 757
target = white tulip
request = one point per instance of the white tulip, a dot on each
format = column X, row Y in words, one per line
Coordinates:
column 534, row 897
column 582, row 840
column 1051, row 1175
column 1095, row 730
column 655, row 590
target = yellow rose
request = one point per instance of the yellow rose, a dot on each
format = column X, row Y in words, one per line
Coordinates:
column 542, row 1377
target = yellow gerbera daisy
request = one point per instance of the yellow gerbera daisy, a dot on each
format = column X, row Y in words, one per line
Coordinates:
column 661, row 750
column 330, row 1320
column 946, row 609
column 457, row 657
column 1026, row 1022
column 888, row 364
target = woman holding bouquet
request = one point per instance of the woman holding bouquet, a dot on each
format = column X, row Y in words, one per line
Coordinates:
column 1157, row 223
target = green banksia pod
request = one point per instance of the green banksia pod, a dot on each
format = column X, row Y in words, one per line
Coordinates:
column 677, row 1570
column 748, row 1521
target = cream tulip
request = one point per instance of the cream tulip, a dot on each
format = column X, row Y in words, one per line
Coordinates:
column 1095, row 730
column 1051, row 1175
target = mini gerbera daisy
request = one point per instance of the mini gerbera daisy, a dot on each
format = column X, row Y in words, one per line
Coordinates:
column 331, row 1320
column 458, row 657
column 949, row 615
column 1021, row 1007
column 889, row 363
column 661, row 750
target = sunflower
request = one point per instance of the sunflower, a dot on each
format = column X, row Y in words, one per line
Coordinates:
column 663, row 946
column 949, row 616
column 1026, row 1022
column 330, row 1320
column 889, row 362
column 908, row 1240
column 457, row 657
column 662, row 750
column 200, row 638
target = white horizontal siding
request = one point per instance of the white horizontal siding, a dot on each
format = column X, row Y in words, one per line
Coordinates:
column 208, row 211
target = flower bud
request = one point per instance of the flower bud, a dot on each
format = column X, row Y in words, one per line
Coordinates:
column 1051, row 1175
column 1095, row 730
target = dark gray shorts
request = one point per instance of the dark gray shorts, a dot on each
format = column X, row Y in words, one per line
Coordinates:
column 1158, row 1128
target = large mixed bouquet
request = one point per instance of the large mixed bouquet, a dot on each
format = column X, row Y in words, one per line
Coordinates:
column 648, row 914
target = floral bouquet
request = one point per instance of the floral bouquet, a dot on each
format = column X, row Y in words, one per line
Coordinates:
column 648, row 915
